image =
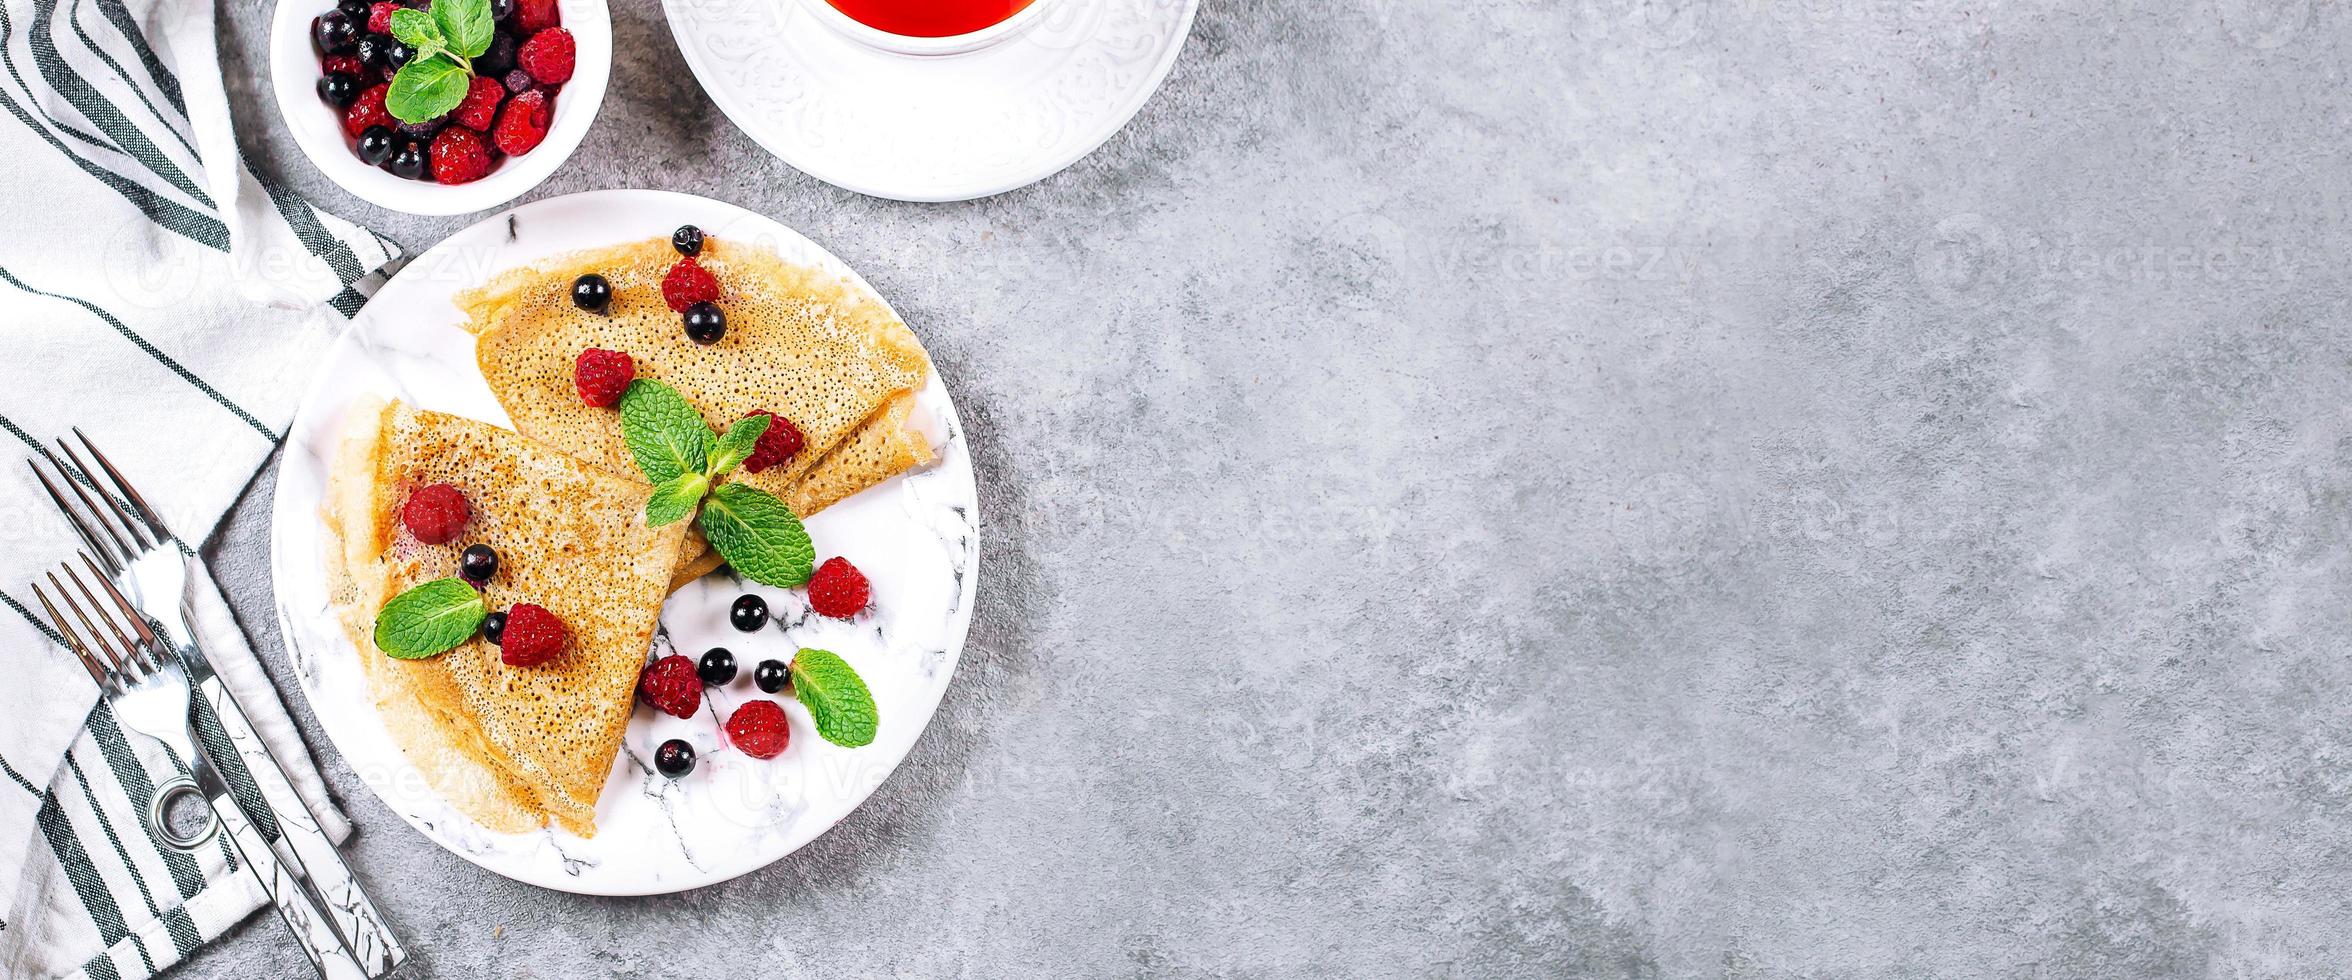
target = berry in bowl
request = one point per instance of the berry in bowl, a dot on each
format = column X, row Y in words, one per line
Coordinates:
column 440, row 107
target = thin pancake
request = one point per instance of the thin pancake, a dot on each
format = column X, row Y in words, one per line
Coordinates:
column 804, row 345
column 509, row 746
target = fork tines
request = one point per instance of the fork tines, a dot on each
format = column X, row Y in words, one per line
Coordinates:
column 117, row 530
column 105, row 656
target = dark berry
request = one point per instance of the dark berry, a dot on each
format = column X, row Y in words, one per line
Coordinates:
column 705, row 323
column 502, row 10
column 717, row 667
column 334, row 32
column 397, row 56
column 354, row 9
column 498, row 59
column 426, row 129
column 376, row 145
column 518, row 81
column 687, row 240
column 592, row 293
column 339, row 89
column 408, row 160
column 675, row 758
column 494, row 627
column 371, row 48
column 770, row 675
column 477, row 563
column 750, row 613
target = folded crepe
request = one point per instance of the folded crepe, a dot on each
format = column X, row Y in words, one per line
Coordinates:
column 800, row 343
column 510, row 747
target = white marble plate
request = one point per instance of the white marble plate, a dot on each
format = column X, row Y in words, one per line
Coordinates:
column 936, row 128
column 916, row 537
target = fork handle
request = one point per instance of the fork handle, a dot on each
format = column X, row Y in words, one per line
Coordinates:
column 312, row 929
column 315, row 859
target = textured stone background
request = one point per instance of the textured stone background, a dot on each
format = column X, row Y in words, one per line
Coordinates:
column 1611, row 489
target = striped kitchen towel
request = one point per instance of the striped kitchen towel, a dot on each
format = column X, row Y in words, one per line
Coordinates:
column 155, row 293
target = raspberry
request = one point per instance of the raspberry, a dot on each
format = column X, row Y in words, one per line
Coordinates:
column 779, row 444
column 532, row 16
column 602, row 376
column 532, row 636
column 523, row 123
column 669, row 684
column 367, row 111
column 481, row 103
column 549, row 56
column 688, row 283
column 343, row 63
column 460, row 156
column 838, row 589
column 380, row 17
column 436, row 514
column 758, row 729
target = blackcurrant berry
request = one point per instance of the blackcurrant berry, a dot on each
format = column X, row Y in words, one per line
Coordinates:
column 749, row 614
column 334, row 32
column 717, row 666
column 592, row 293
column 770, row 675
column 494, row 627
column 339, row 88
column 477, row 563
column 687, row 240
column 408, row 160
column 675, row 758
column 705, row 323
column 376, row 145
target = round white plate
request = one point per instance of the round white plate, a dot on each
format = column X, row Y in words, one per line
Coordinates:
column 941, row 128
column 915, row 537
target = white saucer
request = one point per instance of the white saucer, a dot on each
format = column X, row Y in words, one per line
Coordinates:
column 916, row 538
column 942, row 128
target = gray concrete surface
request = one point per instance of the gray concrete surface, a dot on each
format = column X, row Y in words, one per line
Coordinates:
column 1581, row 489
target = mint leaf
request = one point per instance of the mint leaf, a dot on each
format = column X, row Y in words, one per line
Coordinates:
column 429, row 619
column 836, row 698
column 758, row 535
column 736, row 445
column 466, row 23
column 426, row 88
column 663, row 431
column 675, row 499
column 417, row 29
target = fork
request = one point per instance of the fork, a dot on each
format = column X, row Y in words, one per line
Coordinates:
column 148, row 690
column 140, row 556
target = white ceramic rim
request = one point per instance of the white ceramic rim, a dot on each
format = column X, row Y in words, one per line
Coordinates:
column 739, row 110
column 909, row 44
column 318, row 128
column 317, row 393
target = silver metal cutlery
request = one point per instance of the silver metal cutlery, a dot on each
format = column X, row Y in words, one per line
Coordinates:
column 144, row 569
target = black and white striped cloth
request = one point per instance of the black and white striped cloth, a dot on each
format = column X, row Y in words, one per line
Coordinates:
column 156, row 294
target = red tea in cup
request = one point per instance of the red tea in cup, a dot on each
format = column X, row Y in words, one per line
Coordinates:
column 930, row 18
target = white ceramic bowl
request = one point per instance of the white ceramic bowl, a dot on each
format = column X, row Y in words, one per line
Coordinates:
column 928, row 46
column 318, row 127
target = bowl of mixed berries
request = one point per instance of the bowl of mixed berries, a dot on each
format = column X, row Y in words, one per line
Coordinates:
column 439, row 106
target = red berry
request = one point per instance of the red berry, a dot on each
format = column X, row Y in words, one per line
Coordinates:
column 367, row 110
column 480, row 107
column 603, row 376
column 380, row 17
column 460, row 155
column 671, row 685
column 838, row 589
column 436, row 514
column 343, row 63
column 777, row 445
column 523, row 123
column 758, row 729
column 532, row 16
column 533, row 636
column 688, row 283
column 549, row 56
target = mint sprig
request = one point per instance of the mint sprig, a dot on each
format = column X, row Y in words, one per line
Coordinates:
column 429, row 619
column 747, row 526
column 836, row 698
column 446, row 39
